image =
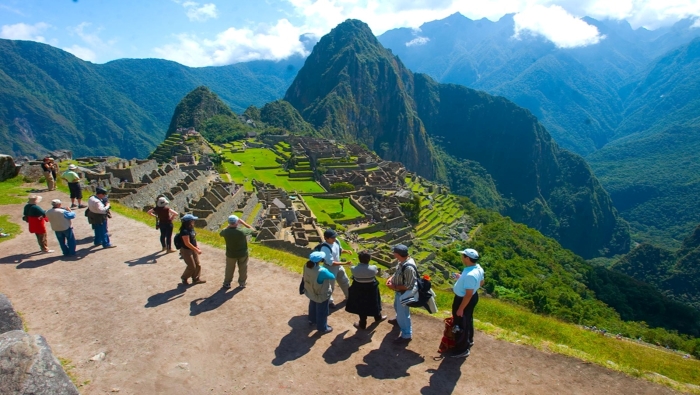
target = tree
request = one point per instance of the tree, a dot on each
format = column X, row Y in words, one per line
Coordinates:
column 342, row 187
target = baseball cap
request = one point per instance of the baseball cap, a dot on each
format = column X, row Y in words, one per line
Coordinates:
column 232, row 219
column 317, row 256
column 329, row 233
column 400, row 249
column 56, row 202
column 101, row 191
column 471, row 253
column 189, row 217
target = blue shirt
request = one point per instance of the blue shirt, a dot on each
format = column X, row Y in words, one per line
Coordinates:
column 471, row 278
column 332, row 252
column 323, row 275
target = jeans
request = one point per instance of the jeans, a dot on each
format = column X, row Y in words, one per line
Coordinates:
column 318, row 314
column 465, row 338
column 403, row 317
column 66, row 239
column 101, row 236
column 166, row 234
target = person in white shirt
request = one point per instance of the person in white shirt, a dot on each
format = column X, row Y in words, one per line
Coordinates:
column 97, row 216
column 331, row 246
column 61, row 220
column 465, row 299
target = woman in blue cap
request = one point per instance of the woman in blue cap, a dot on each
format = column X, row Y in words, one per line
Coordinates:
column 317, row 287
column 189, row 251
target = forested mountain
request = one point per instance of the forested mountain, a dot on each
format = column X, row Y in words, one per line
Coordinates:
column 352, row 88
column 52, row 100
column 575, row 93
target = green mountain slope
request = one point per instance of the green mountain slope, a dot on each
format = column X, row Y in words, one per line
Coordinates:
column 53, row 100
column 677, row 274
column 352, row 88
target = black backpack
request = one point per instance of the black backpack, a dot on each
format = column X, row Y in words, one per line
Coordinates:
column 424, row 286
column 319, row 247
column 177, row 241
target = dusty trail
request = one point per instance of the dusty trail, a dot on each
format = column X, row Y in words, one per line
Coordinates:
column 163, row 339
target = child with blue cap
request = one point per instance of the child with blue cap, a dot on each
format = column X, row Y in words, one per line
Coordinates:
column 317, row 287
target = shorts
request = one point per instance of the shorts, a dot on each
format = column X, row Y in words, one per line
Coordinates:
column 75, row 191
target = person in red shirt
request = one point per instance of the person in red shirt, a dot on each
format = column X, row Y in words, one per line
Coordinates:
column 36, row 217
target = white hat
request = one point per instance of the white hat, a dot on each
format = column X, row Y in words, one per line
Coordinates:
column 471, row 253
column 72, row 167
column 56, row 202
column 162, row 202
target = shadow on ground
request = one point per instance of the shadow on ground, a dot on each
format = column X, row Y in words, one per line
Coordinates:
column 444, row 379
column 389, row 361
column 296, row 343
column 202, row 305
column 145, row 260
column 165, row 297
column 342, row 349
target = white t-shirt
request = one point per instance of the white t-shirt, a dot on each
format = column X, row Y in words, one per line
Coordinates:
column 471, row 278
column 335, row 252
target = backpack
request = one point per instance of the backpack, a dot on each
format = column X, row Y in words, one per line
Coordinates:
column 177, row 241
column 319, row 247
column 424, row 293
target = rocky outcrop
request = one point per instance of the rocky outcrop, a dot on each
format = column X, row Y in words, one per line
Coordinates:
column 9, row 319
column 8, row 169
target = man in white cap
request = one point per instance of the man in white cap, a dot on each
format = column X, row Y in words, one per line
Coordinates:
column 61, row 221
column 465, row 299
column 97, row 216
column 73, row 180
column 236, row 237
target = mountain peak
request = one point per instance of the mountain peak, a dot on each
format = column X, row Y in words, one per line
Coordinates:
column 197, row 107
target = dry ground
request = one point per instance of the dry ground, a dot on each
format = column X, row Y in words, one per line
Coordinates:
column 159, row 338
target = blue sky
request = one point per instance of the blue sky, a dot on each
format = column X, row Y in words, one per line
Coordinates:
column 218, row 32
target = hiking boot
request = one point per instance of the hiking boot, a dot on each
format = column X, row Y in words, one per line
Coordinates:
column 198, row 281
column 184, row 282
column 82, row 206
column 382, row 318
column 393, row 321
column 463, row 354
column 329, row 329
column 241, row 285
column 402, row 340
column 358, row 326
column 226, row 285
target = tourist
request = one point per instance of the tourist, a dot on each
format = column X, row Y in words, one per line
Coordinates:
column 465, row 299
column 189, row 251
column 49, row 173
column 404, row 279
column 331, row 246
column 317, row 287
column 236, row 237
column 164, row 222
column 73, row 180
column 98, row 213
column 36, row 217
column 61, row 220
column 364, row 299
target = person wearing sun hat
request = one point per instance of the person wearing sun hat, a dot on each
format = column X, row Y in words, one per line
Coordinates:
column 465, row 299
column 36, row 217
column 73, row 180
column 317, row 287
column 189, row 251
column 236, row 237
column 165, row 216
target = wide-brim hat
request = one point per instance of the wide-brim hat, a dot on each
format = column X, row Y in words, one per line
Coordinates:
column 72, row 167
column 34, row 199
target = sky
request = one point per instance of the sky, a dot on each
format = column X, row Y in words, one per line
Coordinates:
column 220, row 32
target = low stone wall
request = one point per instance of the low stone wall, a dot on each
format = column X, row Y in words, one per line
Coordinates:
column 135, row 172
column 250, row 205
column 145, row 195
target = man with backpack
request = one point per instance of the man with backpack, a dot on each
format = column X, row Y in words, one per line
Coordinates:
column 331, row 246
column 404, row 279
column 466, row 298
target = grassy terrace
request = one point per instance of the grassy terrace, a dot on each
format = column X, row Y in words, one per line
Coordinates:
column 445, row 211
column 261, row 164
column 328, row 210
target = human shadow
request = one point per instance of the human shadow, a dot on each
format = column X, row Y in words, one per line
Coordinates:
column 296, row 343
column 85, row 240
column 444, row 379
column 39, row 262
column 17, row 258
column 165, row 297
column 389, row 361
column 338, row 307
column 145, row 260
column 342, row 349
column 202, row 305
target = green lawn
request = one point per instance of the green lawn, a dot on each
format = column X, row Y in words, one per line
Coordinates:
column 263, row 157
column 372, row 234
column 13, row 192
column 9, row 228
column 328, row 210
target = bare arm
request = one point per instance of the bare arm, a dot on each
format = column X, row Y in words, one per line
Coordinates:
column 465, row 301
column 150, row 212
column 188, row 244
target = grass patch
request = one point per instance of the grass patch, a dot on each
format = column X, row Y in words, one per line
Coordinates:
column 13, row 191
column 328, row 210
column 8, row 227
column 371, row 235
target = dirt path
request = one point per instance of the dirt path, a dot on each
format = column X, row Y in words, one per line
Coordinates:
column 163, row 339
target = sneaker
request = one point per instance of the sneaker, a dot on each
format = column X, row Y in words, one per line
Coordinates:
column 226, row 285
column 73, row 206
column 82, row 206
column 163, row 249
column 198, row 281
column 402, row 340
column 463, row 354
column 393, row 321
column 170, row 250
column 47, row 251
column 184, row 282
column 111, row 246
column 380, row 319
column 241, row 285
column 329, row 329
column 357, row 326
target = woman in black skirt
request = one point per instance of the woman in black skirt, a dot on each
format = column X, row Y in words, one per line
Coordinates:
column 364, row 299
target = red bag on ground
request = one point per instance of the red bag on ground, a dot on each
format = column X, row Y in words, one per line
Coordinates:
column 448, row 338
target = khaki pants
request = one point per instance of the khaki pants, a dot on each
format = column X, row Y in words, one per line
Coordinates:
column 50, row 182
column 231, row 263
column 43, row 241
column 341, row 278
column 193, row 268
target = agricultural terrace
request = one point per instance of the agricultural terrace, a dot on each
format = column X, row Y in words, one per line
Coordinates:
column 327, row 211
column 445, row 211
column 265, row 165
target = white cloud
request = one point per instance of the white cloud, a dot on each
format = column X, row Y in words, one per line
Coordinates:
column 82, row 52
column 236, row 45
column 11, row 9
column 200, row 13
column 418, row 41
column 557, row 25
column 22, row 31
column 696, row 24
